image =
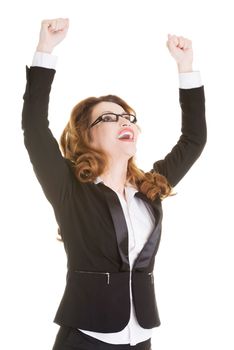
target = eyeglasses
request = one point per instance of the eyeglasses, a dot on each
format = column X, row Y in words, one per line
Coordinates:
column 113, row 117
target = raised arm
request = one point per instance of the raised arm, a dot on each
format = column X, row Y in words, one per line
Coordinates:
column 192, row 102
column 51, row 169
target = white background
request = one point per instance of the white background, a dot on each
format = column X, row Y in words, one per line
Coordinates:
column 119, row 47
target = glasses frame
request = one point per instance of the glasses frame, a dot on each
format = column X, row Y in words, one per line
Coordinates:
column 123, row 115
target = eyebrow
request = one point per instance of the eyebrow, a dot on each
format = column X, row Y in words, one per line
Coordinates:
column 114, row 112
column 108, row 112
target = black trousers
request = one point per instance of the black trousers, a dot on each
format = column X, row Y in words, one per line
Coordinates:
column 72, row 339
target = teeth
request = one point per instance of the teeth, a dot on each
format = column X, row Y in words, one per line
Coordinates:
column 126, row 134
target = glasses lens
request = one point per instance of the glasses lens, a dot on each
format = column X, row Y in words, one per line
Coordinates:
column 129, row 117
column 112, row 117
column 109, row 117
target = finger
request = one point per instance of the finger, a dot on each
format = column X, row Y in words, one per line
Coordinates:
column 181, row 42
column 175, row 40
column 172, row 41
column 62, row 24
column 188, row 44
column 185, row 43
column 53, row 25
column 49, row 24
column 45, row 24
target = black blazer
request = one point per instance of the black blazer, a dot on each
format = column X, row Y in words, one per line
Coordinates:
column 92, row 222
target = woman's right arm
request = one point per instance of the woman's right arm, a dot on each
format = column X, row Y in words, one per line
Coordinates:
column 50, row 167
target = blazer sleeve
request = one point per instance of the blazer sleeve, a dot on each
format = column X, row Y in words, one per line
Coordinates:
column 51, row 168
column 192, row 140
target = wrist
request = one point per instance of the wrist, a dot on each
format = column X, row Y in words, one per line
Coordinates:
column 44, row 48
column 185, row 67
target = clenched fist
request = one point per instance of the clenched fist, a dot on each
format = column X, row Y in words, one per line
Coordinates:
column 53, row 31
column 181, row 50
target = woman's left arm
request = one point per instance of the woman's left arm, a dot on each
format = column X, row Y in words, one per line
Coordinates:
column 192, row 101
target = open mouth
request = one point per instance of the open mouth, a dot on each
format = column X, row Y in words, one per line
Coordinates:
column 126, row 135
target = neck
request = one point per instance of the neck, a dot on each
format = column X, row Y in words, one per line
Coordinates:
column 115, row 176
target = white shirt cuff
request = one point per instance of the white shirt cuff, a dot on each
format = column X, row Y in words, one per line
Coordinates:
column 190, row 80
column 45, row 60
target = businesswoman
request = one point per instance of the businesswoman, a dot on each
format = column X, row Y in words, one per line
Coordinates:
column 108, row 211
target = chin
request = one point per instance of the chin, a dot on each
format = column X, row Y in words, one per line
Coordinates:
column 126, row 152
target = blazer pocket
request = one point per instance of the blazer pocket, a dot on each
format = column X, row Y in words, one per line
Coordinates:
column 143, row 289
column 96, row 274
column 95, row 300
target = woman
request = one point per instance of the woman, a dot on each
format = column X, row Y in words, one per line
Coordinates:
column 108, row 211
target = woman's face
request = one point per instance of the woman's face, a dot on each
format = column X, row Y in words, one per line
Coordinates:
column 116, row 139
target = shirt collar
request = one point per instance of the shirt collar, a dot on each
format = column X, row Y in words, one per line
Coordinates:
column 98, row 180
column 129, row 189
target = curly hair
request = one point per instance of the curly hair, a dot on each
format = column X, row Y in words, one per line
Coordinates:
column 88, row 163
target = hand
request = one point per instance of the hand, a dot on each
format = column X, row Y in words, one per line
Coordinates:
column 53, row 31
column 181, row 49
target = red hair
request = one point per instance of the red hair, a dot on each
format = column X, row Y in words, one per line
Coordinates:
column 89, row 163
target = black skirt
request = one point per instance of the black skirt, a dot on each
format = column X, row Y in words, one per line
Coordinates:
column 73, row 339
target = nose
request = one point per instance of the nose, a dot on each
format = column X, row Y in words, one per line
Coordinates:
column 124, row 121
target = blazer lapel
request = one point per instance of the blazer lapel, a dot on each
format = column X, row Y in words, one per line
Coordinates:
column 117, row 214
column 151, row 246
column 119, row 224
